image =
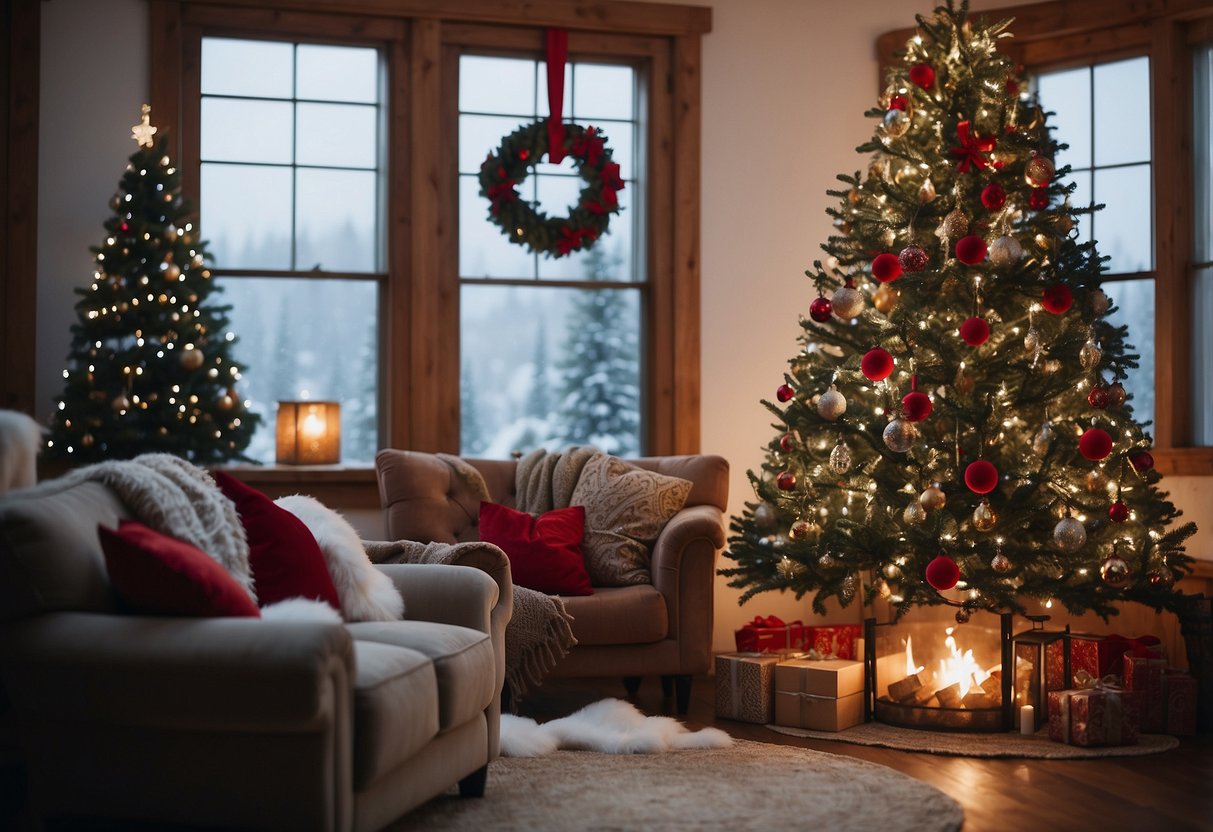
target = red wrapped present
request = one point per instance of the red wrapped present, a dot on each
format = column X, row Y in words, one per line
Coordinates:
column 838, row 640
column 1143, row 676
column 771, row 635
column 1101, row 655
column 1100, row 714
column 1179, row 702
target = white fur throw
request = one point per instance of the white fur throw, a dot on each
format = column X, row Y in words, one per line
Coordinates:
column 301, row 609
column 20, row 441
column 611, row 726
column 366, row 593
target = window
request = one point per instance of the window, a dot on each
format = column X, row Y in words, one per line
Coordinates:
column 1102, row 112
column 550, row 347
column 291, row 170
column 333, row 155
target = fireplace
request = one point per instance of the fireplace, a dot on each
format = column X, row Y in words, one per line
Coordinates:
column 927, row 671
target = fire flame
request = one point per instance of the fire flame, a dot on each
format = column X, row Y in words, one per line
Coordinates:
column 959, row 668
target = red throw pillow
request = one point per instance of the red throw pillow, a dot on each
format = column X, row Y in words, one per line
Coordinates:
column 544, row 552
column 160, row 575
column 284, row 558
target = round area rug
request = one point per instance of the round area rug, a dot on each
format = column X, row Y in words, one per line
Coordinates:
column 750, row 786
column 979, row 745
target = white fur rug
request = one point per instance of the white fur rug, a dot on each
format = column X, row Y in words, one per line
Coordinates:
column 611, row 726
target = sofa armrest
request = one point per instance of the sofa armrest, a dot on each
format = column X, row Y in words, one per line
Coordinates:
column 684, row 572
column 225, row 674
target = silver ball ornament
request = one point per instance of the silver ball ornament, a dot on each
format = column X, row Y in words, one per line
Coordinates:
column 1005, row 251
column 832, row 404
column 900, row 435
column 764, row 515
column 1000, row 563
column 1089, row 355
column 847, row 302
column 1100, row 302
column 1069, row 534
column 1161, row 576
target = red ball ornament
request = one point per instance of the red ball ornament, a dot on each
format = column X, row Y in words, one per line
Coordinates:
column 971, row 250
column 787, row 442
column 913, row 259
column 975, row 331
column 1057, row 299
column 1141, row 461
column 1098, row 397
column 898, row 101
column 923, row 75
column 916, row 406
column 981, row 476
column 786, row 480
column 820, row 310
column 1095, row 444
column 784, row 393
column 1118, row 512
column 886, row 267
column 993, row 196
column 877, row 364
column 524, row 154
column 1038, row 200
column 942, row 573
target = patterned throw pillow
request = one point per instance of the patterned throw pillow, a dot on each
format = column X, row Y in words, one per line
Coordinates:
column 625, row 509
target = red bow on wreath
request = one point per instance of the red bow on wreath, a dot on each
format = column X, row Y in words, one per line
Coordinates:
column 972, row 149
column 501, row 192
column 589, row 147
column 572, row 239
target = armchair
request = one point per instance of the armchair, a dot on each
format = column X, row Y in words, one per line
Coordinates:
column 663, row 628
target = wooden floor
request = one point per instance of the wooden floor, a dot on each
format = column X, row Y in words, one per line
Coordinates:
column 1168, row 791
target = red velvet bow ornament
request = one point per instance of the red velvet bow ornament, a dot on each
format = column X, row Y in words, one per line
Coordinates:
column 972, row 150
column 571, row 240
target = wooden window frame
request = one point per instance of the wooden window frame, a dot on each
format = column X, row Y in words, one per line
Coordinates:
column 420, row 404
column 1067, row 33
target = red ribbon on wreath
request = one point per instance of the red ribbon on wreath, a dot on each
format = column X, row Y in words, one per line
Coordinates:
column 557, row 55
column 573, row 239
column 972, row 148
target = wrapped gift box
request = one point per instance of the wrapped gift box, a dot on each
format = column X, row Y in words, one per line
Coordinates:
column 1100, row 655
column 820, row 694
column 1094, row 716
column 818, row 713
column 840, row 641
column 771, row 634
column 1143, row 675
column 745, row 686
column 1179, row 703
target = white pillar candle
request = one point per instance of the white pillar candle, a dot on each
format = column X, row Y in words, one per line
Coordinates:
column 1027, row 720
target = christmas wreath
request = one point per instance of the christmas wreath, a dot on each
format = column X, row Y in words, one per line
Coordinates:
column 521, row 222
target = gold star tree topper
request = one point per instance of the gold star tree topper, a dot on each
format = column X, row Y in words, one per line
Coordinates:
column 143, row 131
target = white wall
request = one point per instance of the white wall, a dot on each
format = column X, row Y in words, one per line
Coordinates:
column 785, row 86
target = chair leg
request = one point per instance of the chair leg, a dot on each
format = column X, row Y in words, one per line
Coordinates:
column 631, row 684
column 473, row 784
column 667, row 686
column 682, row 688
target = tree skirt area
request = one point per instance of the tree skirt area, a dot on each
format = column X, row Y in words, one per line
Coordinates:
column 750, row 786
column 979, row 745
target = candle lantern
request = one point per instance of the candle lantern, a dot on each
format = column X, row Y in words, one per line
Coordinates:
column 1041, row 664
column 309, row 433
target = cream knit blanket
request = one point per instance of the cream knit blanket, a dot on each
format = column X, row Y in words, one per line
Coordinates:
column 181, row 500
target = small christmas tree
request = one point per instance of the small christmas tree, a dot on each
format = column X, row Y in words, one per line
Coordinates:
column 150, row 366
column 954, row 430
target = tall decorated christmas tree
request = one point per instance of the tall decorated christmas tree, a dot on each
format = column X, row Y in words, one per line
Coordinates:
column 150, row 366
column 955, row 429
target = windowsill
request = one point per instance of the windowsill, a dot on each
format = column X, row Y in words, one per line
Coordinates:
column 329, row 474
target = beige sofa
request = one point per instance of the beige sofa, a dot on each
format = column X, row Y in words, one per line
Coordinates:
column 235, row 722
column 663, row 628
